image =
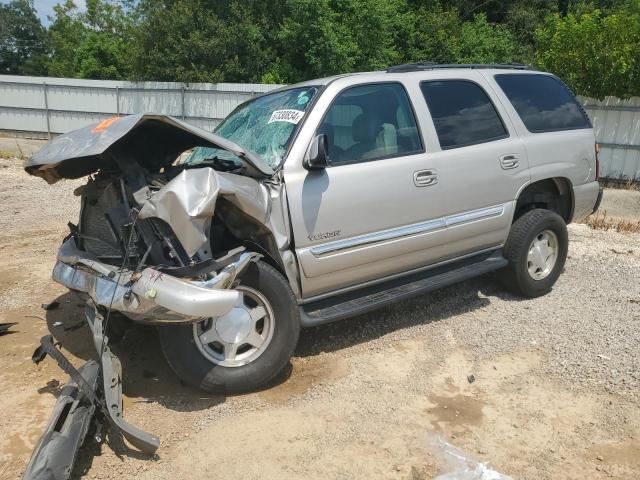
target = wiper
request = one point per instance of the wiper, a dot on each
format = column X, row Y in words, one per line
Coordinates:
column 222, row 163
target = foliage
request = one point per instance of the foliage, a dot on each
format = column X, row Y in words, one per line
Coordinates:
column 204, row 40
column 596, row 55
column 591, row 44
column 327, row 37
column 90, row 44
column 441, row 36
column 23, row 40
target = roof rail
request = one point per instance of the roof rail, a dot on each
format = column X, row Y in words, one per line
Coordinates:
column 423, row 65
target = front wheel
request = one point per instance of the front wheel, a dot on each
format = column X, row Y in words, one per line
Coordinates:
column 244, row 349
column 536, row 250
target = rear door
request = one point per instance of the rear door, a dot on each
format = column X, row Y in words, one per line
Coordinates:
column 482, row 162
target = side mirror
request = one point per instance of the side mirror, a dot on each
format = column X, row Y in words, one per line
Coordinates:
column 318, row 154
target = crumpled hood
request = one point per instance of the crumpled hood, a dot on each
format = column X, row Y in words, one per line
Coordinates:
column 153, row 141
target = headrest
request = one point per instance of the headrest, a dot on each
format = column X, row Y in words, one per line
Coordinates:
column 365, row 127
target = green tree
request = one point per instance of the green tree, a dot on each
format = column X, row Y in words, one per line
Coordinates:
column 522, row 18
column 95, row 43
column 205, row 40
column 442, row 36
column 482, row 42
column 596, row 55
column 326, row 37
column 23, row 40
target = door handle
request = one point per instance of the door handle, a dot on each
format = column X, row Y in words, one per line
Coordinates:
column 508, row 161
column 425, row 178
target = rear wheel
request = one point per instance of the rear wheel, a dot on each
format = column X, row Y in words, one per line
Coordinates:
column 244, row 349
column 536, row 250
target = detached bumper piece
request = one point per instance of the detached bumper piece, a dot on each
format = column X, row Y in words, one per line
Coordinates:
column 57, row 449
column 93, row 390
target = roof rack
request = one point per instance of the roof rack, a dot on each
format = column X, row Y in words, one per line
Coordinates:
column 418, row 66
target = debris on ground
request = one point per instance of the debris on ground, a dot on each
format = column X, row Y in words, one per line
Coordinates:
column 83, row 401
column 457, row 465
column 4, row 327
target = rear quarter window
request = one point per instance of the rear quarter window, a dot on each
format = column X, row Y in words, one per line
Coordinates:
column 543, row 102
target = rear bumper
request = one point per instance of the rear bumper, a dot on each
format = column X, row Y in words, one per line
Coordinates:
column 586, row 199
column 598, row 200
column 148, row 296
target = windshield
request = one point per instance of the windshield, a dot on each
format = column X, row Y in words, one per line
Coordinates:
column 264, row 126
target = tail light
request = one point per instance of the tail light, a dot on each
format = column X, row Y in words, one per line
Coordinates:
column 597, row 161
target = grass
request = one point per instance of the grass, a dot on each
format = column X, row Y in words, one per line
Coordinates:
column 599, row 221
column 625, row 184
column 20, row 155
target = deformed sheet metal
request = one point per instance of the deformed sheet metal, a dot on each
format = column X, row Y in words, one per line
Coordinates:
column 183, row 301
column 187, row 202
column 154, row 141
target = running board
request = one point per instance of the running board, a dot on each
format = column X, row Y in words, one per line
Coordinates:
column 376, row 296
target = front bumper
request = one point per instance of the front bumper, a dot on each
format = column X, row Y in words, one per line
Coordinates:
column 149, row 296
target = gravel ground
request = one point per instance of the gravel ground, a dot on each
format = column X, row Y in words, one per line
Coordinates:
column 554, row 392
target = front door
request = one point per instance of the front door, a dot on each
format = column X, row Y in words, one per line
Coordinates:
column 377, row 208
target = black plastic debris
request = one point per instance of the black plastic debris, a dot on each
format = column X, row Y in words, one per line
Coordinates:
column 57, row 450
column 4, row 327
column 93, row 394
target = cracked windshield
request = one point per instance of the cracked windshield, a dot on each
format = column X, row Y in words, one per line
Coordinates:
column 264, row 126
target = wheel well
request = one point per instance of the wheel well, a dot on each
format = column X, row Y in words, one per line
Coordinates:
column 231, row 227
column 553, row 194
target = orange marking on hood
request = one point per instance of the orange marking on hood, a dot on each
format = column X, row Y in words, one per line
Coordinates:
column 103, row 125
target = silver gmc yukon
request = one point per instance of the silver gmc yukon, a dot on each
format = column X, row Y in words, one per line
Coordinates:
column 317, row 202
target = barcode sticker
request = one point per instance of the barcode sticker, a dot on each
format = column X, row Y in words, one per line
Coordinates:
column 291, row 116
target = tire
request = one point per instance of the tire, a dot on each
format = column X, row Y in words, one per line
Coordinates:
column 525, row 275
column 195, row 363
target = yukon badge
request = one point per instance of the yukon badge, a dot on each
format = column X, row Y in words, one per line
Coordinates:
column 323, row 236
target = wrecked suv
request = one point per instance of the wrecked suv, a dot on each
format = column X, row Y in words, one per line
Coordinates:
column 317, row 202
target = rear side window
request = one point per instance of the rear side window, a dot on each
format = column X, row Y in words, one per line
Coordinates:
column 543, row 102
column 462, row 113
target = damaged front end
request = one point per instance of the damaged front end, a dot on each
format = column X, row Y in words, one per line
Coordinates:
column 159, row 241
column 143, row 245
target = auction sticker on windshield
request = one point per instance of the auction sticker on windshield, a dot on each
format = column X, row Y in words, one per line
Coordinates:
column 291, row 116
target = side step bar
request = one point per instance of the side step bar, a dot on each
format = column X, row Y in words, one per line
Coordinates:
column 369, row 298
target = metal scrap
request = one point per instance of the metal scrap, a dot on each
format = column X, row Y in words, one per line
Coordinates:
column 4, row 327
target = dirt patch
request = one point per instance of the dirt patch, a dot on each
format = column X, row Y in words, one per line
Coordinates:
column 554, row 396
column 625, row 454
column 305, row 374
column 456, row 411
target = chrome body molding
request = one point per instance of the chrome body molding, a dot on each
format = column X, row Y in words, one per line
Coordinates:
column 407, row 230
